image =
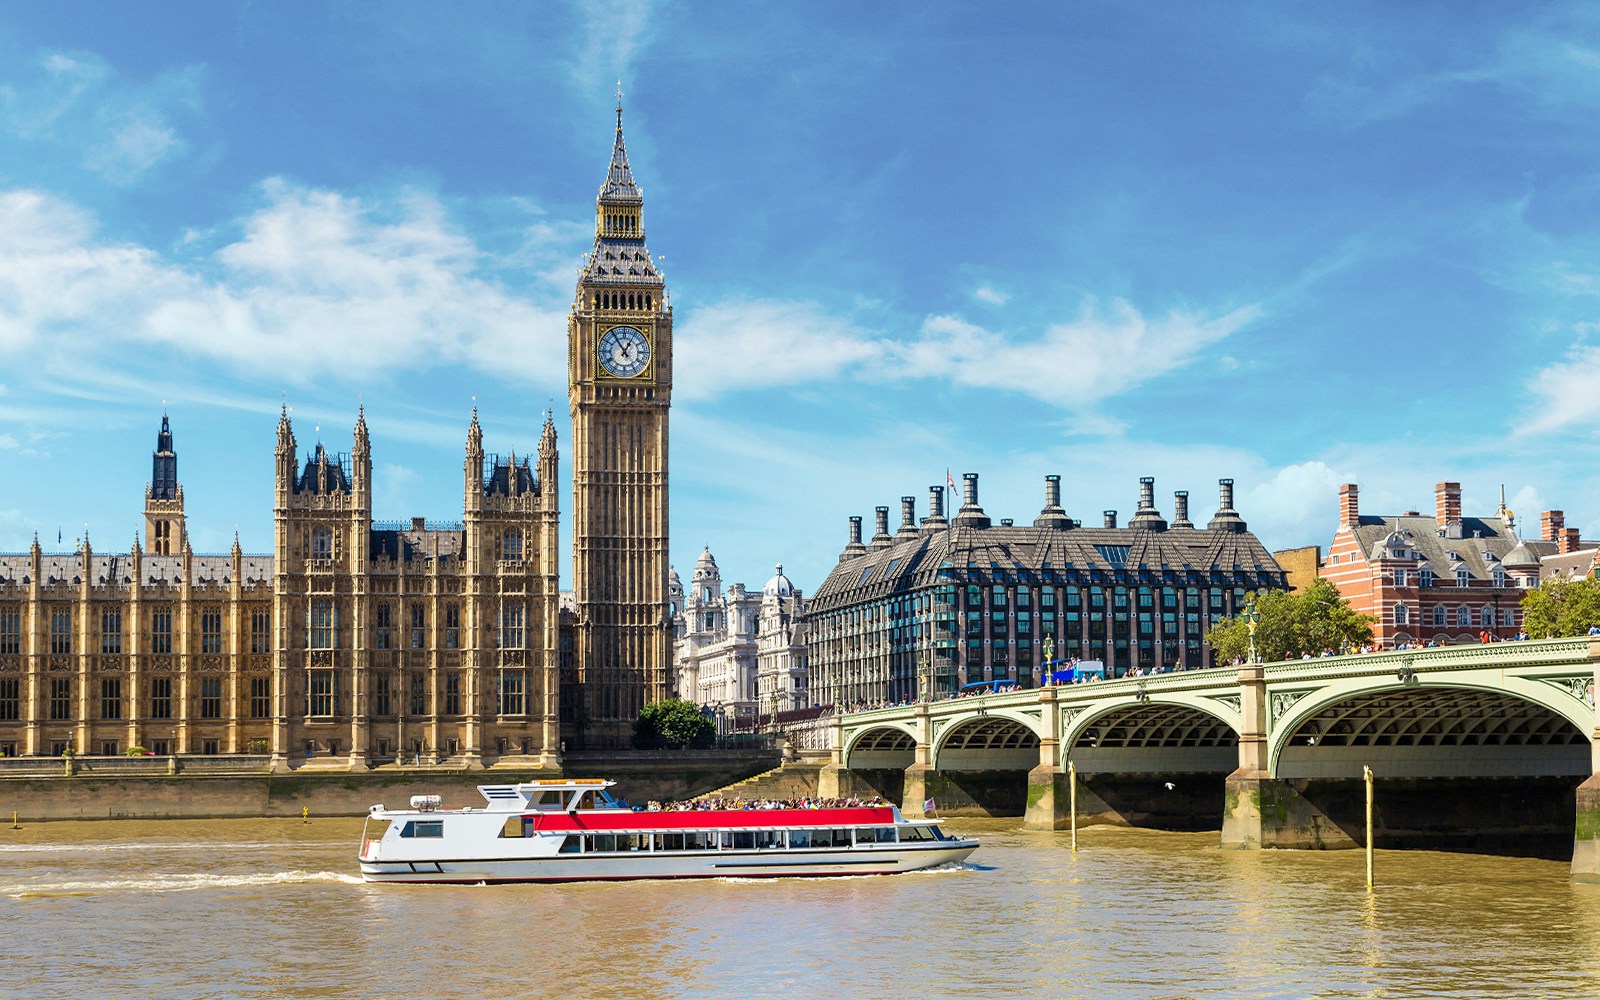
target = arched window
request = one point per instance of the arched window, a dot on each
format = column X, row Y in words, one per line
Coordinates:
column 1402, row 614
column 1463, row 617
column 1438, row 617
column 1486, row 617
column 322, row 543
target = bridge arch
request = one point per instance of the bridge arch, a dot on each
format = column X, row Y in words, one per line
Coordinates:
column 990, row 742
column 1448, row 727
column 888, row 745
column 1167, row 735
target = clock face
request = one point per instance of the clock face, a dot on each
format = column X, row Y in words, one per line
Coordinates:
column 624, row 351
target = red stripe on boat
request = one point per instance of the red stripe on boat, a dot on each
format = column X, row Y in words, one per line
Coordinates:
column 711, row 819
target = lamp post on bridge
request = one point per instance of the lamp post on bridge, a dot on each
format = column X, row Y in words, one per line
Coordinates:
column 1252, row 618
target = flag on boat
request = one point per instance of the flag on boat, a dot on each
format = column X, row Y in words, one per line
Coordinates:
column 928, row 806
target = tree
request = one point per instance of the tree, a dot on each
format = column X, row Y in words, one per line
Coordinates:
column 1313, row 621
column 674, row 723
column 1561, row 606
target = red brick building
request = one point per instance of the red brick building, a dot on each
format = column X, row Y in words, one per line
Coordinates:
column 1443, row 578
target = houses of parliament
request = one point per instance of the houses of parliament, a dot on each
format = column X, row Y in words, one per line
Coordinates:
column 358, row 641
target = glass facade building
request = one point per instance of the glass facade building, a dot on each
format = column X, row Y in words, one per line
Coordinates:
column 949, row 601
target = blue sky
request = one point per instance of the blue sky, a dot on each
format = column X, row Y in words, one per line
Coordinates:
column 1295, row 245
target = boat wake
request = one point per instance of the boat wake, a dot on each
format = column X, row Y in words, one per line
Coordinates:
column 147, row 846
column 171, row 882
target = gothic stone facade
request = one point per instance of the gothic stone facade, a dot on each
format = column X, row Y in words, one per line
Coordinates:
column 353, row 640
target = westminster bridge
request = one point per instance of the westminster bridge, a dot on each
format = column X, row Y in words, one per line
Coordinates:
column 1473, row 746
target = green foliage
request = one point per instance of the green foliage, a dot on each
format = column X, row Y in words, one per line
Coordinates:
column 257, row 747
column 674, row 723
column 137, row 752
column 1292, row 625
column 1561, row 607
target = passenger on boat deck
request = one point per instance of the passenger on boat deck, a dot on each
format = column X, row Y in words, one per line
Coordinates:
column 739, row 803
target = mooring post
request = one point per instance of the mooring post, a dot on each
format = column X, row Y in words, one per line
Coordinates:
column 1072, row 800
column 1366, row 775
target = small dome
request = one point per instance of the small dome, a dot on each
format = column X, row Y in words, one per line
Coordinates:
column 1521, row 557
column 674, row 584
column 778, row 586
column 705, row 568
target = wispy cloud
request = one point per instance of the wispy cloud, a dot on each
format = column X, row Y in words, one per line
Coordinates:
column 1101, row 353
column 992, row 296
column 118, row 129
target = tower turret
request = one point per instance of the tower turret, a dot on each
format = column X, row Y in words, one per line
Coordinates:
column 165, row 530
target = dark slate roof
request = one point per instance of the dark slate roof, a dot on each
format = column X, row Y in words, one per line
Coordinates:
column 618, row 261
column 1008, row 552
column 510, row 479
column 1485, row 543
column 66, row 569
column 406, row 545
column 338, row 479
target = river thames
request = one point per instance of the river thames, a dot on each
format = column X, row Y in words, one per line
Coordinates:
column 273, row 908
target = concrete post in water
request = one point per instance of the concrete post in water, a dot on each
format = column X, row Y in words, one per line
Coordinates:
column 1586, row 836
column 1046, row 783
column 1072, row 801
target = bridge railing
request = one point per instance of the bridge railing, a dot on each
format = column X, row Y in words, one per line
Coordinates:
column 1524, row 652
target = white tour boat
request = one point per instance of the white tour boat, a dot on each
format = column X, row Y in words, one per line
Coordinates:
column 573, row 830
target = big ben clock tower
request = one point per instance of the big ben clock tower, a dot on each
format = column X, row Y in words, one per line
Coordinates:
column 619, row 377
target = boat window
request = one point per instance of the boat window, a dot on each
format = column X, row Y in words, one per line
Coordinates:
column 633, row 841
column 742, row 840
column 515, row 827
column 549, row 800
column 830, row 838
column 669, row 841
column 799, row 838
column 585, row 801
column 700, row 840
column 916, row 833
column 875, row 835
column 602, row 842
column 423, row 828
column 571, row 844
column 769, row 840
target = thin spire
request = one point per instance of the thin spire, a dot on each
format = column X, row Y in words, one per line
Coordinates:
column 619, row 185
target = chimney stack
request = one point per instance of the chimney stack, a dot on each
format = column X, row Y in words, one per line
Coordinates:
column 935, row 519
column 1052, row 516
column 1111, row 518
column 854, row 548
column 1447, row 503
column 908, row 517
column 1568, row 541
column 880, row 537
column 1226, row 518
column 1146, row 516
column 970, row 514
column 1551, row 524
column 1349, row 505
column 1180, row 510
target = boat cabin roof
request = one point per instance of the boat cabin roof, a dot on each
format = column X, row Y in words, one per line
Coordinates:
column 553, row 795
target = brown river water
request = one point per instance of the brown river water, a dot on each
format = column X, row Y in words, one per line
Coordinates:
column 274, row 908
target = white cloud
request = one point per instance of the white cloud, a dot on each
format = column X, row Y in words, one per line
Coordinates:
column 1100, row 354
column 763, row 343
column 317, row 284
column 1567, row 392
column 1297, row 502
column 990, row 295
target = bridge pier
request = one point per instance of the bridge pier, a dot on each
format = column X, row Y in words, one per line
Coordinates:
column 1586, row 835
column 1049, row 786
column 1261, row 811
